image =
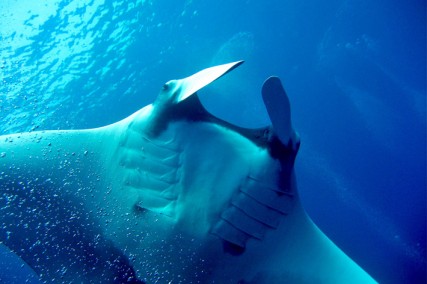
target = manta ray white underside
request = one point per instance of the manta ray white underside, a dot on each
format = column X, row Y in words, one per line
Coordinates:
column 170, row 194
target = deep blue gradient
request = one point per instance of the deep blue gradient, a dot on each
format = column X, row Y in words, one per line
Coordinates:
column 355, row 72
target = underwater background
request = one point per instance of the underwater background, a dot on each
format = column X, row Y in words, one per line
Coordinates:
column 355, row 72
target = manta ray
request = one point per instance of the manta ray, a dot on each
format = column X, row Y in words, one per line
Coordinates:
column 170, row 194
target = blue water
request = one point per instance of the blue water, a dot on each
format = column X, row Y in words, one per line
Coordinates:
column 355, row 72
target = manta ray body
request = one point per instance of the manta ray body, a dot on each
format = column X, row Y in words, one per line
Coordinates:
column 170, row 194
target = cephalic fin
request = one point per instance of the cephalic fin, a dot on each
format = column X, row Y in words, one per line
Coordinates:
column 279, row 110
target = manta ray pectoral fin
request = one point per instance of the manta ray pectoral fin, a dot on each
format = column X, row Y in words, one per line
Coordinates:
column 279, row 110
column 195, row 82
